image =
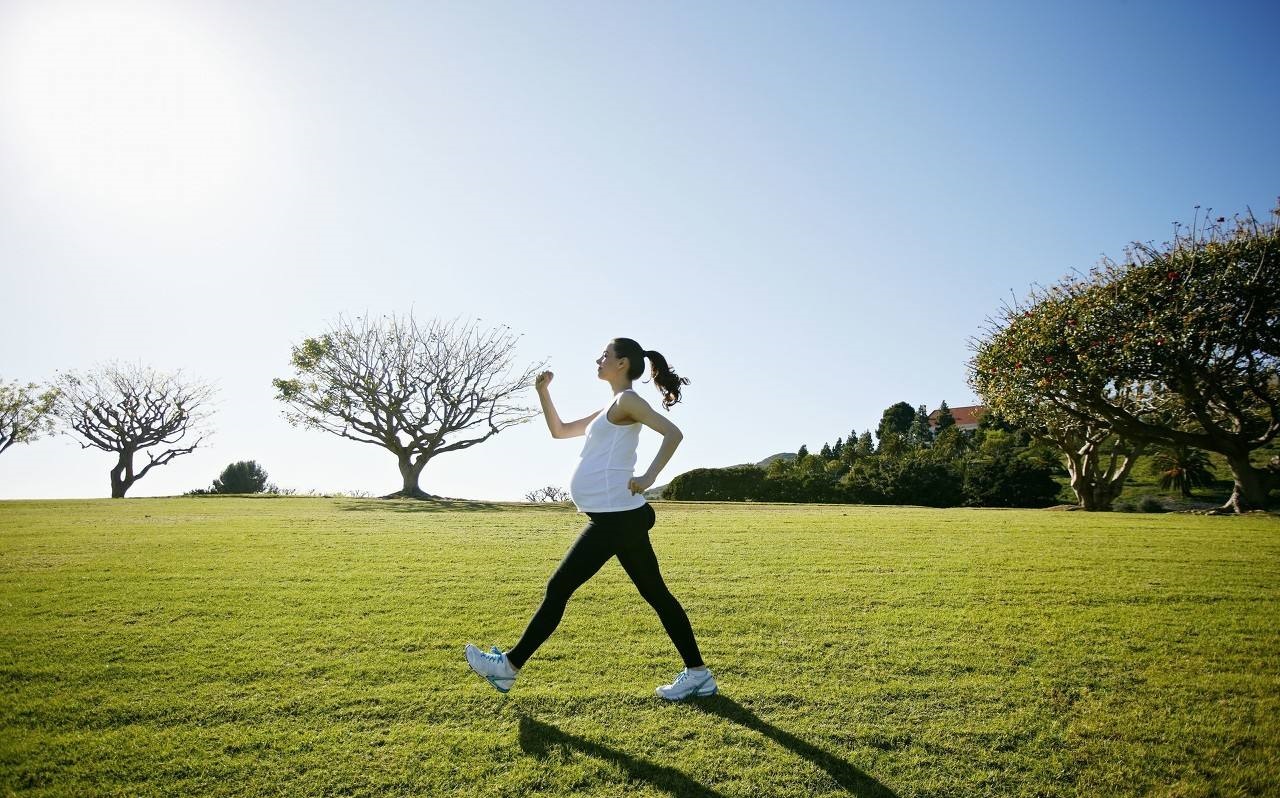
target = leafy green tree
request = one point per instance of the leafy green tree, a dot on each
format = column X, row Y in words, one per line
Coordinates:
column 849, row 452
column 896, row 419
column 923, row 481
column 1009, row 480
column 809, row 481
column 244, row 476
column 826, row 453
column 892, row 444
column 803, row 454
column 946, row 419
column 838, row 449
column 866, row 446
column 1177, row 345
column 811, row 465
column 921, row 433
column 1181, row 468
column 870, row 481
column 994, row 420
column 26, row 413
column 950, row 444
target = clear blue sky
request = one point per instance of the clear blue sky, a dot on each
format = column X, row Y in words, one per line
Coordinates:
column 808, row 207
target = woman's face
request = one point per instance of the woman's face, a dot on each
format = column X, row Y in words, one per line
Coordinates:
column 608, row 363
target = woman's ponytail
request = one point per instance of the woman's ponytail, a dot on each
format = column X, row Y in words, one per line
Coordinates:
column 668, row 381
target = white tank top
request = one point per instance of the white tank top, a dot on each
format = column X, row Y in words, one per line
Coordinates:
column 607, row 463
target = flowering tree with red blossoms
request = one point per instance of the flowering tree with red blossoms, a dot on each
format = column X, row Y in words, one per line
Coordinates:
column 1180, row 345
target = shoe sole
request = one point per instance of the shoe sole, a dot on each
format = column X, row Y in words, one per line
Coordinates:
column 486, row 677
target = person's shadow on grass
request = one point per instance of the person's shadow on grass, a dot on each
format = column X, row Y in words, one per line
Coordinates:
column 846, row 774
column 538, row 738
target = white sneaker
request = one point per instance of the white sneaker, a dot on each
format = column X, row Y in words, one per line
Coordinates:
column 687, row 683
column 494, row 667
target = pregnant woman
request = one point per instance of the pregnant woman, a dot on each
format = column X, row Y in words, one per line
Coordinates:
column 620, row 518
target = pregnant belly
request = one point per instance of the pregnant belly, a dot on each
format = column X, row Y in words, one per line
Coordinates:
column 601, row 481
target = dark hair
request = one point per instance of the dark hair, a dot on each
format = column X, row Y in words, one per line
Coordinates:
column 667, row 380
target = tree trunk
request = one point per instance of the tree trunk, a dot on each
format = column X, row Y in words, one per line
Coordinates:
column 1094, row 494
column 1252, row 484
column 409, row 472
column 1083, row 483
column 1097, row 488
column 122, row 475
column 1086, row 492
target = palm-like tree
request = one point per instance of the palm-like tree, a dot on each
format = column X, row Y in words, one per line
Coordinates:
column 1182, row 468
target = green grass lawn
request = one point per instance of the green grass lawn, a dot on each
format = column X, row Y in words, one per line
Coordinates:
column 237, row 646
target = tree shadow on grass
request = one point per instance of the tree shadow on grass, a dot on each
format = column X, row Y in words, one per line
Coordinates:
column 846, row 775
column 538, row 738
column 442, row 506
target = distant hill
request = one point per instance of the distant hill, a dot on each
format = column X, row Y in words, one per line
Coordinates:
column 656, row 491
column 780, row 456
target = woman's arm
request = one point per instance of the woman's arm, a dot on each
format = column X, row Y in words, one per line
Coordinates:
column 639, row 410
column 558, row 428
column 548, row 408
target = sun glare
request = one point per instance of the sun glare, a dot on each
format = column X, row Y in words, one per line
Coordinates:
column 121, row 108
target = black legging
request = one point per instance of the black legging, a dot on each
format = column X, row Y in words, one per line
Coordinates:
column 626, row 534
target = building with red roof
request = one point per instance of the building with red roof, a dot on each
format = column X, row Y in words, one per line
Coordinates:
column 967, row 418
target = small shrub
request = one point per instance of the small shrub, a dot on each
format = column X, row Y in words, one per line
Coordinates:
column 1008, row 480
column 245, row 476
column 1151, row 504
column 732, row 484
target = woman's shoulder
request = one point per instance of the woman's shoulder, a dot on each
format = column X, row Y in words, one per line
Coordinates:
column 625, row 397
column 629, row 397
column 632, row 405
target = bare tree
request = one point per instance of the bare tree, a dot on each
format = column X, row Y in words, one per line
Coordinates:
column 129, row 408
column 548, row 494
column 25, row 415
column 414, row 390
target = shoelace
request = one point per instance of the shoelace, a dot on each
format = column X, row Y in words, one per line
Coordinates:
column 496, row 659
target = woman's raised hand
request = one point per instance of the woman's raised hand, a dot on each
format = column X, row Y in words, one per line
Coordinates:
column 544, row 380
